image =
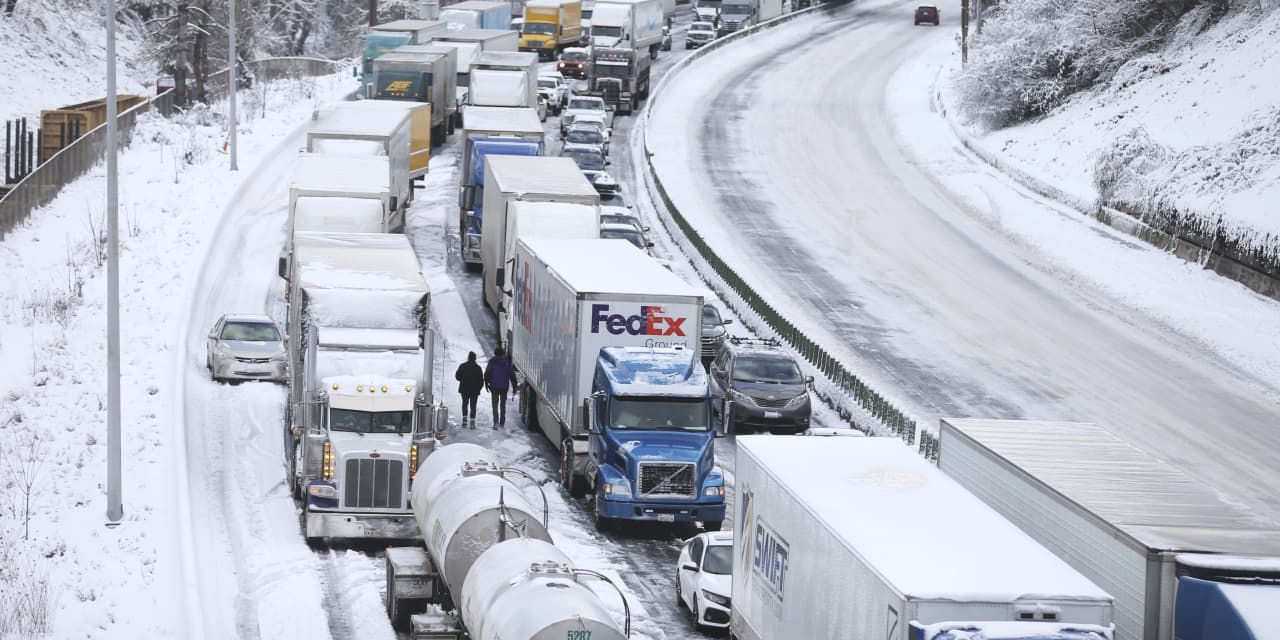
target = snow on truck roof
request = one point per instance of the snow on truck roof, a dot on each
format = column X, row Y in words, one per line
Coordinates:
column 332, row 172
column 653, row 371
column 919, row 528
column 540, row 175
column 369, row 261
column 374, row 118
column 609, row 267
column 1152, row 502
column 507, row 119
column 508, row 58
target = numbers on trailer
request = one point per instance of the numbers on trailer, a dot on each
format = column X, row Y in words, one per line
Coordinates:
column 578, row 635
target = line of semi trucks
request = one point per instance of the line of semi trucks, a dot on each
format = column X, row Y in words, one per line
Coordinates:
column 1023, row 530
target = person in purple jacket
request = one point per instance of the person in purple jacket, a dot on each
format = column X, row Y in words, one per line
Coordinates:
column 499, row 377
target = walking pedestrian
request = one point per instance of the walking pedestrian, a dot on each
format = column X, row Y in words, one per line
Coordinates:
column 499, row 376
column 470, row 381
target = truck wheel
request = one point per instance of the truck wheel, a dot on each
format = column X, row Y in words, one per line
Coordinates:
column 603, row 524
column 712, row 525
column 569, row 479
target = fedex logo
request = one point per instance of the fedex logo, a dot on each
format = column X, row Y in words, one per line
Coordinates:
column 650, row 322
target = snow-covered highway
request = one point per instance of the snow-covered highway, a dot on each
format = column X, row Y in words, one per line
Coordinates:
column 790, row 152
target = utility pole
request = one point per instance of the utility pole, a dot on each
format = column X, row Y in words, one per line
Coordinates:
column 373, row 13
column 233, row 82
column 979, row 8
column 964, row 31
column 115, row 507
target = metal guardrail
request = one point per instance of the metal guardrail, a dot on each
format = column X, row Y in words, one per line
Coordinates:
column 842, row 379
column 42, row 185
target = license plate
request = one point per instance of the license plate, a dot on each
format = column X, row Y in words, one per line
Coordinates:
column 666, row 517
column 772, row 415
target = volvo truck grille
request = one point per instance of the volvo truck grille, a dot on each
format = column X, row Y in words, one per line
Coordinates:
column 659, row 479
column 374, row 484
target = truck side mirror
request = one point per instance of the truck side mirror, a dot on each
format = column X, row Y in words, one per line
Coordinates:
column 726, row 322
column 282, row 267
column 499, row 277
column 586, row 415
column 808, row 379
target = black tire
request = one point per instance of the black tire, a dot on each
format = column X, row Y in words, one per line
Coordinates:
column 712, row 525
column 603, row 524
column 569, row 479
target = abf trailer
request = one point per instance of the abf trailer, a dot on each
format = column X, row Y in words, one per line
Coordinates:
column 860, row 538
column 1182, row 563
column 607, row 341
column 421, row 73
column 360, row 381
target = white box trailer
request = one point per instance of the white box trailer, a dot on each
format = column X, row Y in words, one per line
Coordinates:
column 1159, row 541
column 477, row 14
column 628, row 24
column 341, row 130
column 512, row 179
column 770, row 9
column 470, row 43
column 504, row 79
column 842, row 538
column 573, row 297
column 340, row 193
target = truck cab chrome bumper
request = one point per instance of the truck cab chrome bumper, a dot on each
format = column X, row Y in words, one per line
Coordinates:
column 381, row 526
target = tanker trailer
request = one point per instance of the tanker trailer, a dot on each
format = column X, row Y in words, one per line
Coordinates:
column 464, row 503
column 529, row 589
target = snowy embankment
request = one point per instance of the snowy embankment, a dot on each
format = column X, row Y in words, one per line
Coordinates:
column 56, row 57
column 1187, row 136
column 87, row 579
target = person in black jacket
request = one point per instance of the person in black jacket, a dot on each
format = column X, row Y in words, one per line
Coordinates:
column 470, row 381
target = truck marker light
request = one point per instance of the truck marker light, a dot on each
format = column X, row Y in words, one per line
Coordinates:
column 360, row 388
column 335, row 386
column 384, row 388
column 327, row 470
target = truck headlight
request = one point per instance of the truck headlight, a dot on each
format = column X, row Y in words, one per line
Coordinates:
column 620, row 490
column 323, row 491
column 714, row 491
column 716, row 598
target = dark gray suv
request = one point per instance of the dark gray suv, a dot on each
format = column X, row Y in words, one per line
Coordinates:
column 713, row 332
column 761, row 386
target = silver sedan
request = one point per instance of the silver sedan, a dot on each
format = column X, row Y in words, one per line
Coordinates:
column 246, row 347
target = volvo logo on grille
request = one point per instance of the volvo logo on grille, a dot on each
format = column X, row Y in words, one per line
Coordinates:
column 375, row 454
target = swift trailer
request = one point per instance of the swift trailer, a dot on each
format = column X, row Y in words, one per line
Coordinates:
column 421, row 73
column 624, row 24
column 514, row 181
column 1182, row 563
column 550, row 26
column 343, row 131
column 490, row 131
column 488, row 563
column 470, row 43
column 840, row 538
column 504, row 79
column 606, row 341
column 361, row 414
column 477, row 14
column 620, row 76
column 389, row 35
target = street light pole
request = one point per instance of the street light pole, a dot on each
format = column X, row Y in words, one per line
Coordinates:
column 233, row 77
column 115, row 508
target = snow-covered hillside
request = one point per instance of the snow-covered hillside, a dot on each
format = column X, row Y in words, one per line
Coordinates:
column 1193, row 127
column 55, row 54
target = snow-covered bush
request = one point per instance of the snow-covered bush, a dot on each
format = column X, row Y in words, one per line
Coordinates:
column 1122, row 168
column 1033, row 54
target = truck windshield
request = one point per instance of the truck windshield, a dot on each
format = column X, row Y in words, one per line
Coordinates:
column 736, row 9
column 666, row 414
column 605, row 31
column 539, row 28
column 352, row 421
column 718, row 560
column 615, row 70
column 708, row 4
column 765, row 369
